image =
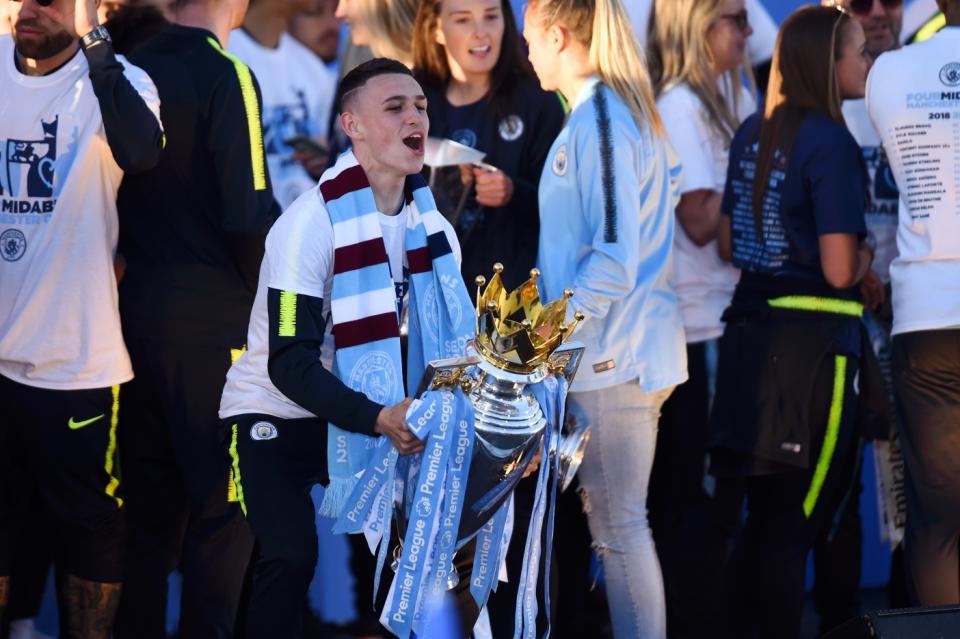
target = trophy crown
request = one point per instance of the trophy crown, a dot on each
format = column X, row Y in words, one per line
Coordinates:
column 515, row 331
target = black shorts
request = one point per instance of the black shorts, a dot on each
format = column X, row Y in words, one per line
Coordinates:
column 60, row 446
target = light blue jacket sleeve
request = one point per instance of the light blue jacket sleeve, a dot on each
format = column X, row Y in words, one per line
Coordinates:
column 608, row 170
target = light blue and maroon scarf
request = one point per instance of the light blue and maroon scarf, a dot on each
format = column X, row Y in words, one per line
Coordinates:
column 366, row 327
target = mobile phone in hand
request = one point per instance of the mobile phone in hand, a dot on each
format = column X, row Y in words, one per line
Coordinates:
column 307, row 145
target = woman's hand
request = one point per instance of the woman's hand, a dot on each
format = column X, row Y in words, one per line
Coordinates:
column 494, row 188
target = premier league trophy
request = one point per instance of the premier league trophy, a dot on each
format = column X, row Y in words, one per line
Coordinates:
column 484, row 418
column 519, row 343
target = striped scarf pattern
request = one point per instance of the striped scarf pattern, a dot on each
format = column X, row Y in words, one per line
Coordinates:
column 366, row 328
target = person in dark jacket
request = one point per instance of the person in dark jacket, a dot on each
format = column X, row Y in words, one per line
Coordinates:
column 481, row 92
column 192, row 231
column 786, row 405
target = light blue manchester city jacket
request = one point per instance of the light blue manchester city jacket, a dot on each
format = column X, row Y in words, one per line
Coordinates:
column 607, row 199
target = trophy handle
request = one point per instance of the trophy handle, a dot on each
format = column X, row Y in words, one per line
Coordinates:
column 448, row 373
column 566, row 360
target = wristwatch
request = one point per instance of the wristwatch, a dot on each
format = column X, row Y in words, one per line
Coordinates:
column 96, row 36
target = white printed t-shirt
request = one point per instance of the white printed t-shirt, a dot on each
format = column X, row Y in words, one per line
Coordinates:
column 913, row 98
column 297, row 92
column 299, row 259
column 882, row 206
column 703, row 282
column 59, row 321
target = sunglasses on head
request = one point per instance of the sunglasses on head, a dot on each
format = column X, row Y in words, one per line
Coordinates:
column 739, row 19
column 863, row 7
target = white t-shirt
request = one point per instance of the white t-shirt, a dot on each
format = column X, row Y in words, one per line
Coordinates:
column 882, row 206
column 59, row 322
column 298, row 91
column 704, row 283
column 760, row 44
column 299, row 259
column 913, row 98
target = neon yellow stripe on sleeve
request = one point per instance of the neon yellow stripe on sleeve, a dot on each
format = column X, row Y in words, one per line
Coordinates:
column 288, row 314
column 252, row 108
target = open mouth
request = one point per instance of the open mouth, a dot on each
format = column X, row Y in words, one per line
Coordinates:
column 415, row 142
column 484, row 50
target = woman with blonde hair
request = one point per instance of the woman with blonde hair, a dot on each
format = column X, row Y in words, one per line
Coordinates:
column 383, row 25
column 784, row 419
column 607, row 196
column 698, row 62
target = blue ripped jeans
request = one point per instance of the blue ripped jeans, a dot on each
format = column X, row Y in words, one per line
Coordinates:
column 613, row 479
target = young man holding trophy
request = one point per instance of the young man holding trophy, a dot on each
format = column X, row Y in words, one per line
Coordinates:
column 368, row 253
column 344, row 254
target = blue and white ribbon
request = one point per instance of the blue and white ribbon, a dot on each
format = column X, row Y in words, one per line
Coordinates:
column 551, row 394
column 486, row 559
column 369, row 490
column 446, row 421
column 454, row 494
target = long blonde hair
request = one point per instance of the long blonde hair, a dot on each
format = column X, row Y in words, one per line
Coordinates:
column 679, row 54
column 390, row 23
column 604, row 28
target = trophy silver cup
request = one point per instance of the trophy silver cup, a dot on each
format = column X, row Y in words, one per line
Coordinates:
column 519, row 342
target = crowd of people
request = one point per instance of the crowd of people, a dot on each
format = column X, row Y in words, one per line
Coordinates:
column 220, row 247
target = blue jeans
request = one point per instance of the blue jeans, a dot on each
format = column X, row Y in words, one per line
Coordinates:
column 613, row 480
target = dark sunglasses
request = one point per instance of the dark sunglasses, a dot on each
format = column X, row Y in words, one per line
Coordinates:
column 739, row 19
column 863, row 7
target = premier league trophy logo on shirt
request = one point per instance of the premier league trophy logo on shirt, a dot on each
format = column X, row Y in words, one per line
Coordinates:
column 484, row 418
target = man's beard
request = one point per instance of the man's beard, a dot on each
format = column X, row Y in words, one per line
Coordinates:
column 889, row 42
column 44, row 47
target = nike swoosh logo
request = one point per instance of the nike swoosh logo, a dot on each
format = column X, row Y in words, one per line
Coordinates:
column 75, row 425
